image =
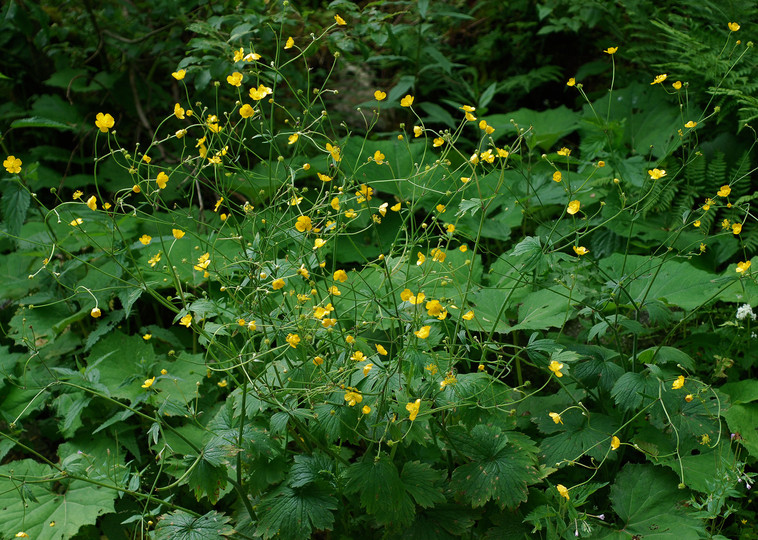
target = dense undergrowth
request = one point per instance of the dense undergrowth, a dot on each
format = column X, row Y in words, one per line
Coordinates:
column 322, row 271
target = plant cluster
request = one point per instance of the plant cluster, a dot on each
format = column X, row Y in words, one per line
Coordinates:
column 409, row 319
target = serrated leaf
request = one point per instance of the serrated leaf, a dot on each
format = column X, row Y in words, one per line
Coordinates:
column 422, row 482
column 632, row 388
column 209, row 475
column 310, row 469
column 180, row 525
column 294, row 513
column 15, row 203
column 649, row 504
column 591, row 437
column 70, row 504
column 667, row 355
column 382, row 493
column 499, row 471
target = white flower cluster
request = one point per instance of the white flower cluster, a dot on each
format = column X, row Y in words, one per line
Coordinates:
column 745, row 311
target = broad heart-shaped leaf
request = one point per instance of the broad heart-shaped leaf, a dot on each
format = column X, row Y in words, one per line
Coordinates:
column 382, row 492
column 209, row 475
column 500, row 469
column 79, row 503
column 649, row 504
column 180, row 525
column 631, row 389
column 291, row 513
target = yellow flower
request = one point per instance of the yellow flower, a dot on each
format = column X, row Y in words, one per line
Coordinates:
column 334, row 290
column 573, row 207
column 677, row 85
column 688, row 398
column 615, row 443
column 147, row 159
column 383, row 209
column 678, row 383
column 563, row 491
column 340, row 275
column 162, row 180
column 709, row 202
column 293, row 340
column 656, row 174
column 725, row 224
column 179, row 75
column 177, row 233
column 104, row 122
column 381, row 350
column 147, row 337
column 186, row 320
column 742, row 267
column 136, row 188
column 435, row 309
column 557, row 176
column 450, row 228
column 77, row 194
column 379, row 95
column 180, row 133
column 724, row 191
column 290, row 43
column 12, row 164
column 480, row 367
column 611, row 50
column 277, row 284
column 413, row 409
column 364, row 193
column 690, row 124
column 556, row 368
column 78, row 221
column 565, row 152
column 421, row 259
column 659, row 79
column 465, row 179
column 155, row 259
column 407, row 101
column 463, row 248
column 366, row 409
column 318, row 360
column 350, row 340
column 246, row 111
column 222, row 384
column 252, row 325
column 502, row 153
column 580, row 250
column 334, row 151
column 92, row 203
column 145, row 239
column 22, row 534
column 303, row 224
column 358, row 356
column 439, row 141
column 556, row 417
column 702, row 247
column 339, row 20
column 396, row 207
column 571, row 82
column 484, row 126
column 261, row 92
column 235, row 79
column 733, row 26
column 468, row 315
column 736, row 228
column 418, row 131
column 423, row 332
column 95, row 313
column 352, row 397
column 292, row 139
column 148, row 383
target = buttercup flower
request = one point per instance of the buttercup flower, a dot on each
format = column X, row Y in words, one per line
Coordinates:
column 563, row 491
column 162, row 180
column 12, row 164
column 352, row 397
column 334, row 151
column 293, row 340
column 573, row 207
column 615, row 443
column 246, row 111
column 92, row 203
column 580, row 250
column 95, row 313
column 235, row 79
column 340, row 275
column 733, row 26
column 724, row 191
column 556, row 368
column 339, row 20
column 742, row 267
column 677, row 85
column 423, row 332
column 76, row 222
column 678, row 383
column 179, row 75
column 366, row 409
column 186, row 320
column 413, row 409
column 104, row 122
column 611, row 50
column 656, row 174
column 556, row 417
column 439, row 141
column 565, row 152
column 145, row 239
column 292, row 139
column 468, row 315
column 659, row 79
column 736, row 228
column 407, row 101
column 177, row 233
column 379, row 95
column 571, row 82
column 303, row 224
column 381, row 350
column 690, row 124
column 148, row 383
column 261, row 92
column 290, row 43
column 557, row 176
column 277, row 284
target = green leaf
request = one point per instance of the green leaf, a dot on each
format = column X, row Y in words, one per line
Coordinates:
column 40, row 122
column 741, row 391
column 422, row 482
column 310, row 469
column 741, row 420
column 71, row 504
column 591, row 436
column 294, row 513
column 498, row 471
column 180, row 525
column 209, row 475
column 667, row 355
column 649, row 504
column 382, row 493
column 15, row 203
column 544, row 127
column 632, row 388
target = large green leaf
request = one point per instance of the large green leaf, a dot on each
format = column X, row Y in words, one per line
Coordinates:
column 15, row 203
column 544, row 128
column 583, row 435
column 294, row 513
column 52, row 509
column 499, row 469
column 180, row 525
column 382, row 492
column 649, row 504
column 741, row 420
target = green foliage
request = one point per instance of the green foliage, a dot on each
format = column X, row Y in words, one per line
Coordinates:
column 271, row 302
